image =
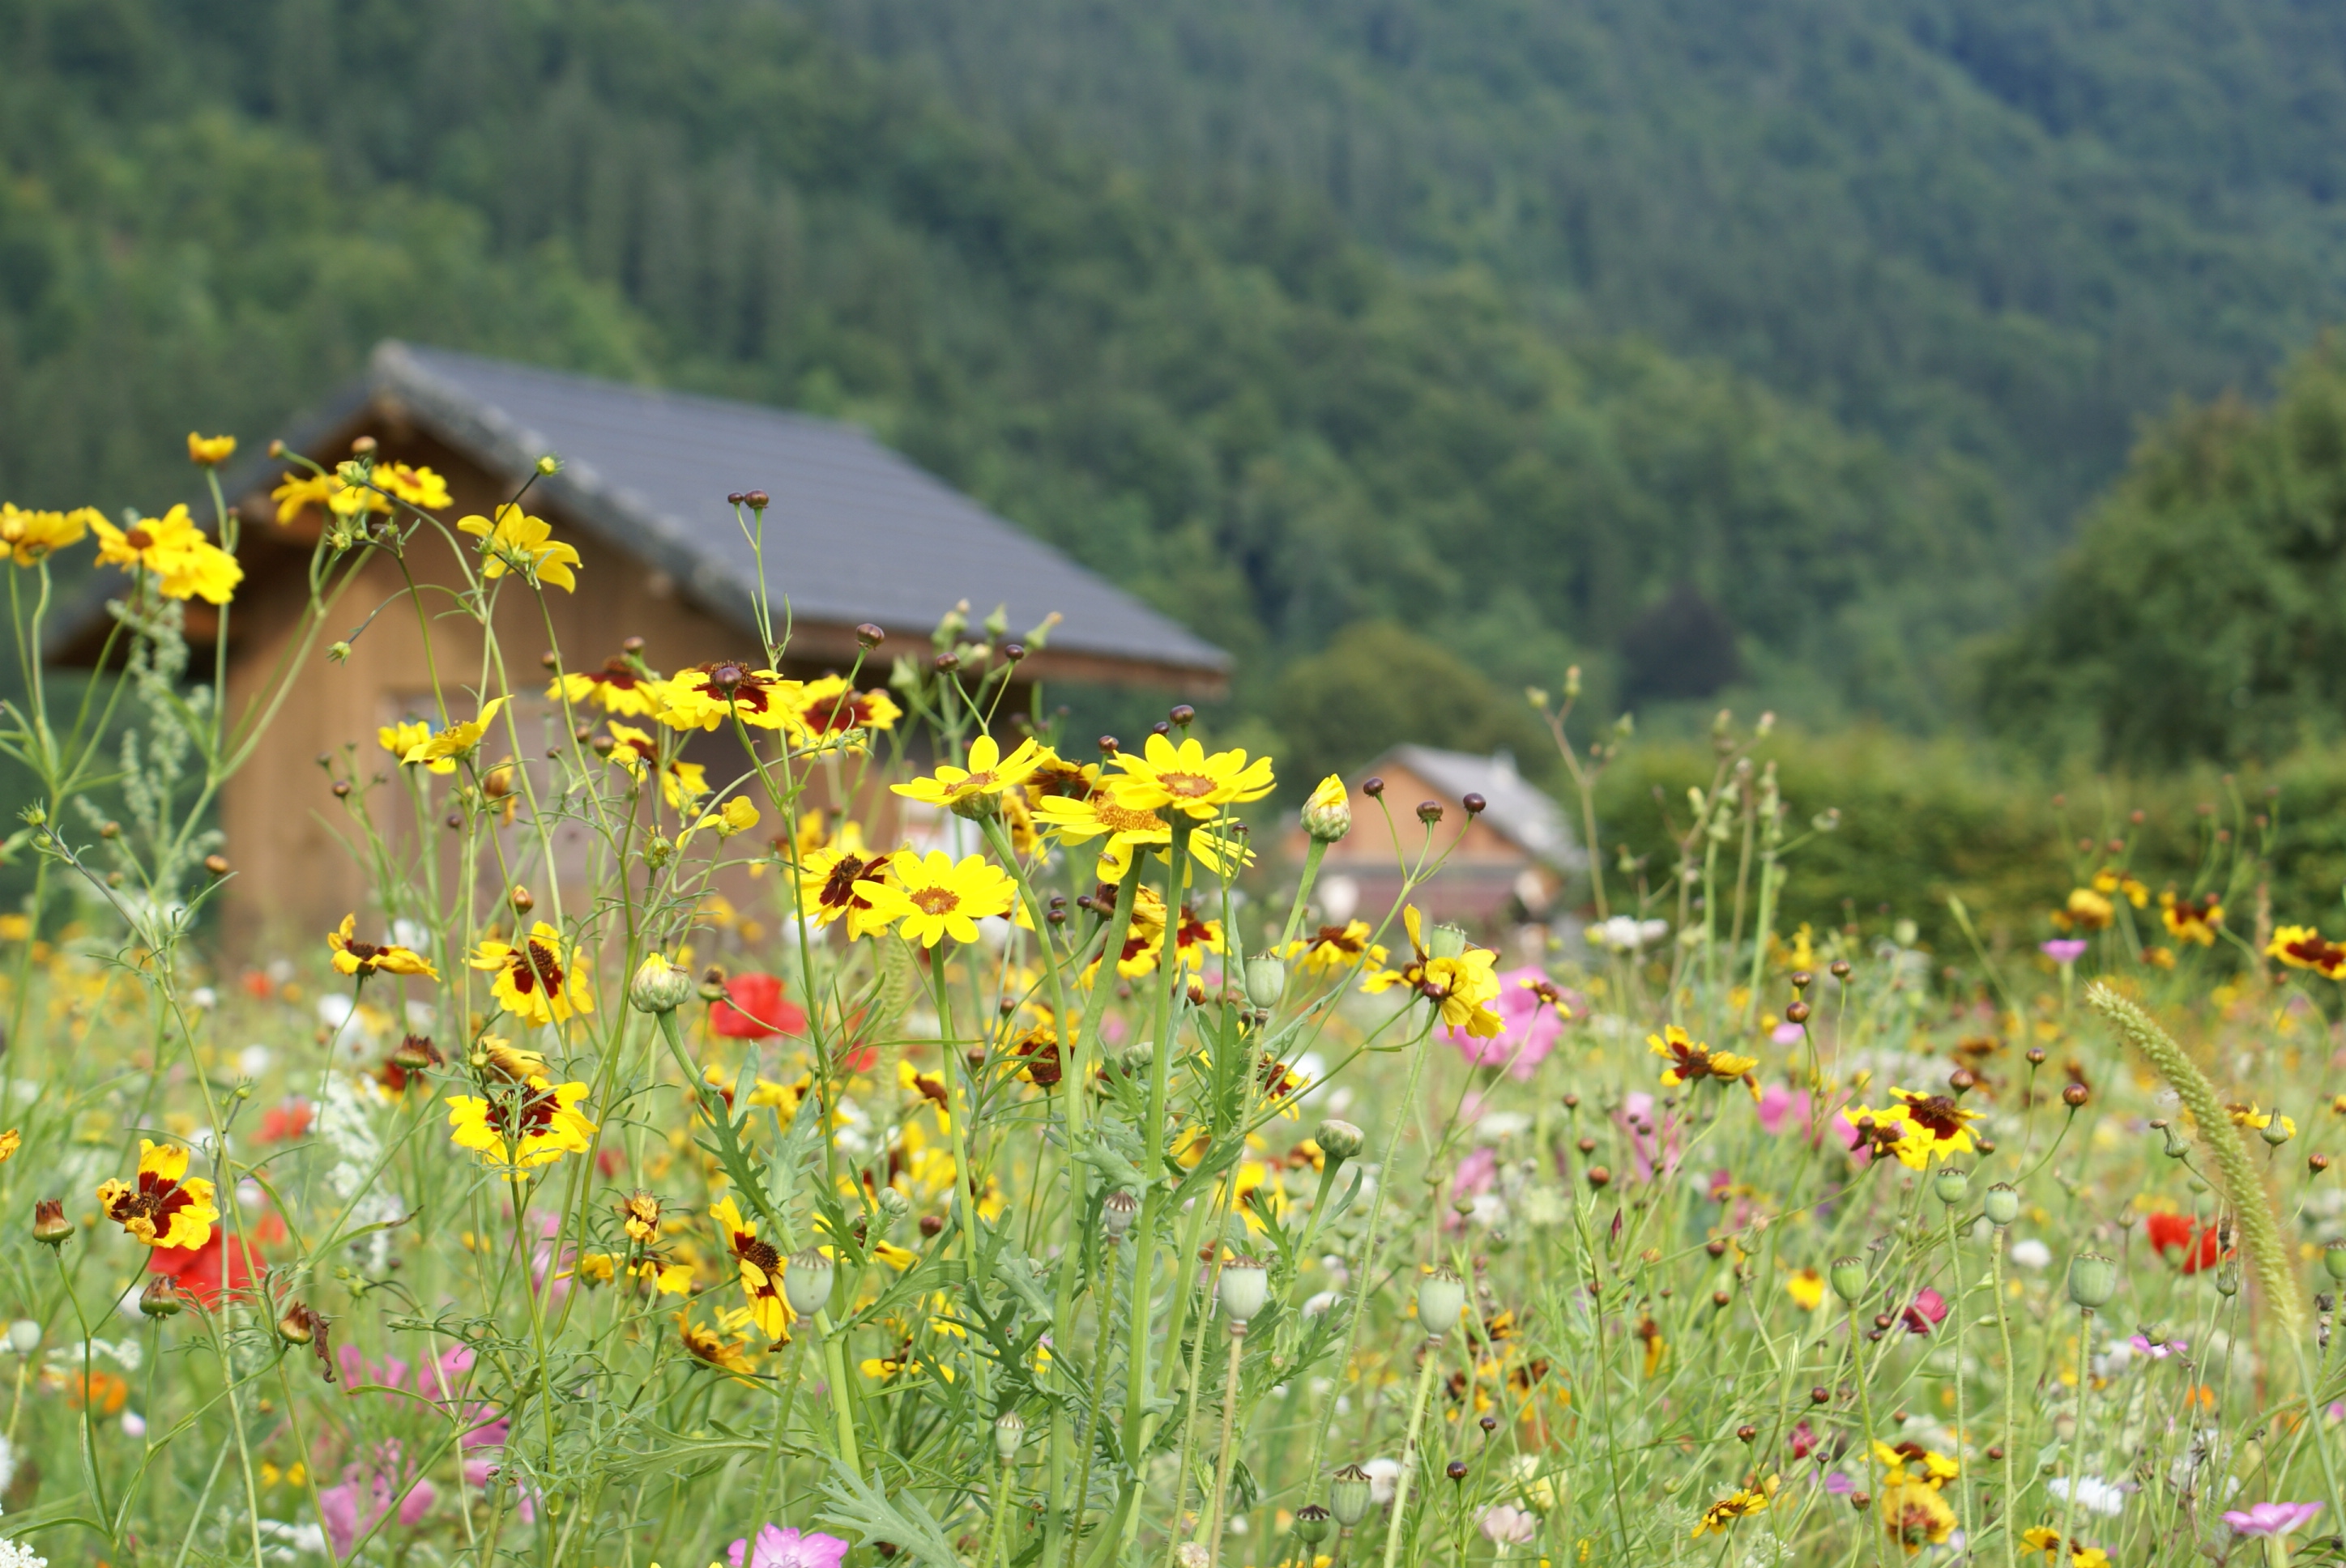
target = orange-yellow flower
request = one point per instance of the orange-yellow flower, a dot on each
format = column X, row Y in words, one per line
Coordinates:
column 1185, row 778
column 536, row 979
column 517, row 1129
column 168, row 1208
column 517, row 542
column 353, row 956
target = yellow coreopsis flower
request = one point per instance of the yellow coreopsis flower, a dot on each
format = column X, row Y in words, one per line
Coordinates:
column 2192, row 919
column 969, row 791
column 738, row 815
column 209, row 450
column 353, row 956
column 1739, row 1504
column 616, row 687
column 761, row 1266
column 2304, row 947
column 2256, row 1120
column 830, row 879
column 1461, row 988
column 712, row 694
column 640, row 1215
column 1079, row 820
column 456, row 741
column 682, row 782
column 536, row 980
column 1936, row 1128
column 1807, row 1289
column 30, row 538
column 830, row 704
column 1691, row 1060
column 1335, row 947
column 184, row 563
column 730, row 1356
column 520, row 543
column 519, row 1129
column 168, row 1208
column 418, row 486
column 1185, row 778
column 934, row 897
column 1914, row 1513
column 404, row 736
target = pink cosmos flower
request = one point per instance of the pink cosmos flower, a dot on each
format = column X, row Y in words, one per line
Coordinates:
column 2270, row 1519
column 368, row 1492
column 1530, row 1027
column 2160, row 1351
column 1781, row 1108
column 2064, row 949
column 788, row 1549
column 1787, row 1034
column 1925, row 1311
column 1509, row 1526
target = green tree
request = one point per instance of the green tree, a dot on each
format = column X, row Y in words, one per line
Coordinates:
column 1378, row 685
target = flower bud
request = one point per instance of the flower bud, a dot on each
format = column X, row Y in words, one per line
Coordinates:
column 2275, row 1132
column 1266, row 980
column 1338, row 1140
column 416, row 1053
column 1328, row 815
column 2092, row 1280
column 2002, row 1203
column 1311, row 1525
column 1440, row 1298
column 982, row 806
column 24, row 1335
column 2333, row 1260
column 1117, row 1211
column 2228, row 1279
column 1951, row 1185
column 161, row 1298
column 806, row 1282
column 299, row 1326
column 893, row 1203
column 1009, row 1432
column 1245, row 1287
column 1848, row 1277
column 660, row 986
column 50, row 1226
column 1447, row 941
column 1348, row 1493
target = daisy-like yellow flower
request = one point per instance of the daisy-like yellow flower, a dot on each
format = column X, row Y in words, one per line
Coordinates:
column 682, row 782
column 536, row 980
column 353, row 956
column 639, row 1214
column 902, row 1364
column 733, row 1356
column 1335, row 947
column 209, row 450
column 509, row 1061
column 1185, row 778
column 830, row 881
column 1461, row 988
column 184, row 563
column 2302, row 947
column 1880, row 1134
column 517, row 542
column 1937, row 1127
column 2047, row 1540
column 934, row 897
column 1735, row 1505
column 2085, row 911
column 1079, row 820
column 520, row 1128
column 738, row 815
column 970, row 791
column 2109, row 879
column 1914, row 1513
column 10, row 1142
column 404, row 736
column 712, row 694
column 618, row 688
column 167, row 1207
column 30, row 538
column 1691, row 1060
column 417, row 486
column 355, row 488
column 456, row 741
column 2192, row 919
column 830, row 704
column 761, row 1268
column 1807, row 1289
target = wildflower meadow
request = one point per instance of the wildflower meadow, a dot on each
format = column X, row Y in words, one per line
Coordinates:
column 931, row 1134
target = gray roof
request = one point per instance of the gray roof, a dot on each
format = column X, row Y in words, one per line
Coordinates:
column 1515, row 807
column 855, row 533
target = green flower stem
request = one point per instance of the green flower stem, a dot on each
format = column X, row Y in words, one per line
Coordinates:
column 1229, row 1432
column 1001, row 1478
column 1955, row 1309
column 1311, row 858
column 1102, row 1340
column 2011, row 1400
column 1409, row 1448
column 2077, row 1427
column 1864, row 1415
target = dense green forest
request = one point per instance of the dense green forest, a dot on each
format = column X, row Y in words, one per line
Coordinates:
column 1759, row 348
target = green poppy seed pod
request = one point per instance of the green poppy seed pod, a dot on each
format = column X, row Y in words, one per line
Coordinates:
column 1440, row 1298
column 1119, row 1209
column 1009, row 1432
column 161, row 1298
column 1266, row 980
column 1350, row 1490
column 806, row 1282
column 1328, row 815
column 1245, row 1287
column 1951, row 1185
column 2092, row 1280
column 2002, row 1203
column 660, row 986
column 2333, row 1260
column 1338, row 1140
column 1848, row 1277
column 1312, row 1522
column 1447, row 942
column 2228, row 1279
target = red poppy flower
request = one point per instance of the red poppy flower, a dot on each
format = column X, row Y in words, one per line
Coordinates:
column 283, row 1122
column 199, row 1270
column 2171, row 1237
column 753, row 1009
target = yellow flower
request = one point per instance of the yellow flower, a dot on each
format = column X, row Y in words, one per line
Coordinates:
column 416, row 487
column 2048, row 1540
column 404, row 736
column 10, row 1142
column 1183, row 778
column 2192, row 919
column 168, row 1208
column 209, row 450
column 1079, row 820
column 28, row 538
column 618, row 688
column 935, row 898
column 1936, row 1126
column 520, row 1128
column 1737, row 1505
column 761, row 1266
column 712, row 694
column 185, row 564
column 1336, row 947
column 830, row 704
column 682, row 782
column 536, row 981
column 1691, row 1062
column 2250, row 1117
column 1807, row 1289
column 902, row 1364
column 353, row 956
column 1461, row 988
column 639, row 1214
column 732, row 1356
column 520, row 543
column 667, row 1279
column 988, row 774
column 456, row 741
column 2302, row 947
column 1914, row 1513
column 738, row 815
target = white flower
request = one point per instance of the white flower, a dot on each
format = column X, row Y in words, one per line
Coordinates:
column 8, row 1463
column 203, row 996
column 1625, row 934
column 2031, row 1254
column 16, row 1554
column 412, row 934
column 254, row 1060
column 346, row 1126
column 1509, row 1526
column 1383, row 1474
column 1497, row 1127
column 2094, row 1493
column 134, row 1425
column 1321, row 1303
